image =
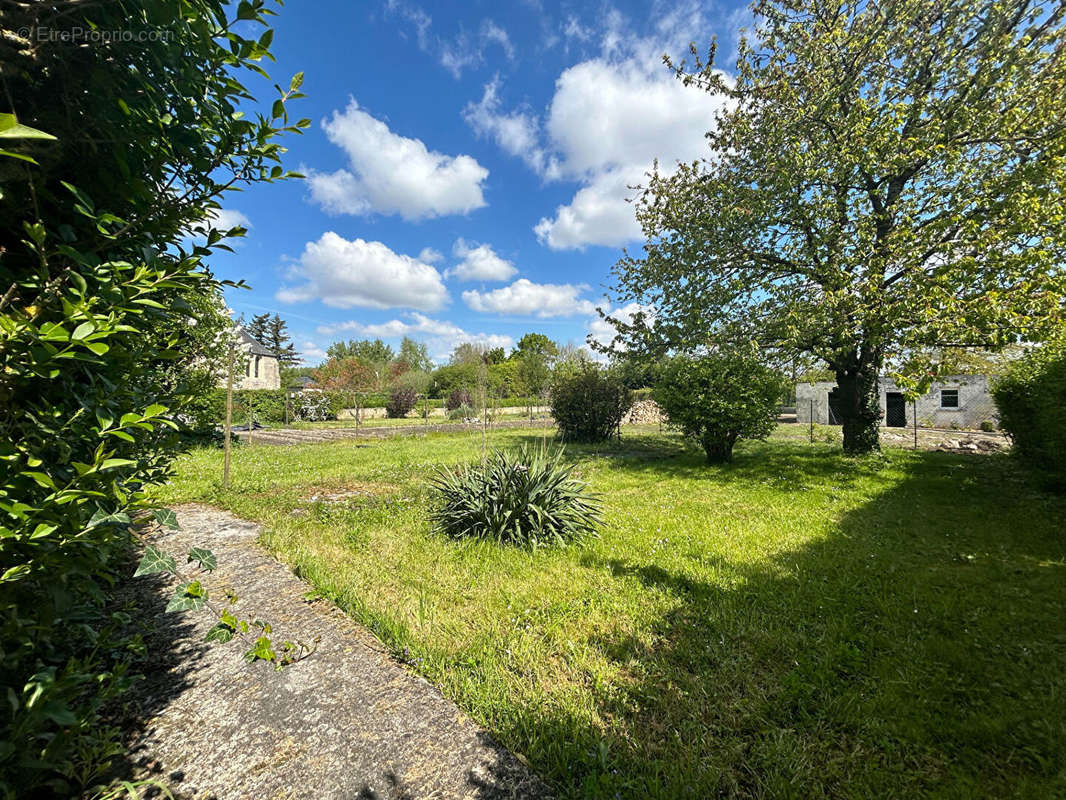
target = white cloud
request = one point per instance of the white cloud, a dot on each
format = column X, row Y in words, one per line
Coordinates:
column 391, row 174
column 465, row 50
column 525, row 298
column 227, row 218
column 311, row 353
column 479, row 263
column 610, row 118
column 430, row 255
column 440, row 336
column 599, row 214
column 343, row 274
column 603, row 332
column 516, row 133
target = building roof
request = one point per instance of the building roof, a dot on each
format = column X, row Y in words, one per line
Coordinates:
column 255, row 347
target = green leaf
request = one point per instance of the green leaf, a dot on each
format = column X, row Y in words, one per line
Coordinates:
column 19, row 156
column 219, row 633
column 296, row 82
column 204, row 557
column 41, row 478
column 113, row 463
column 155, row 410
column 185, row 600
column 102, row 518
column 83, row 330
column 166, row 518
column 11, row 128
column 155, row 560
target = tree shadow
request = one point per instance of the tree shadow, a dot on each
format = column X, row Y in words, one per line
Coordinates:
column 918, row 649
column 169, row 659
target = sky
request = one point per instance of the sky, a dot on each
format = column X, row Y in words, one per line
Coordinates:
column 468, row 166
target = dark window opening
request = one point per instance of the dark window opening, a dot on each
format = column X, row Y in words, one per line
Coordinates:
column 895, row 410
column 835, row 401
column 949, row 398
column 257, row 366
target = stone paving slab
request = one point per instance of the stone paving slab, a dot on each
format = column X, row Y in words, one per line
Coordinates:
column 347, row 722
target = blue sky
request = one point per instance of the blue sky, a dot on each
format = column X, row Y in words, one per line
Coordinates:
column 467, row 165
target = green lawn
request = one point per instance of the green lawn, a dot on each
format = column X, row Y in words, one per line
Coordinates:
column 796, row 624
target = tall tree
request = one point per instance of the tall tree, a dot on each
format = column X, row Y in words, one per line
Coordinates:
column 259, row 327
column 277, row 339
column 415, row 355
column 884, row 179
column 376, row 351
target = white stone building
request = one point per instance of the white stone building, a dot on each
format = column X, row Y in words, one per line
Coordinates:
column 256, row 367
column 954, row 401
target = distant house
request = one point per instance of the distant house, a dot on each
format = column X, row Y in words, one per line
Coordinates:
column 300, row 383
column 954, row 401
column 259, row 368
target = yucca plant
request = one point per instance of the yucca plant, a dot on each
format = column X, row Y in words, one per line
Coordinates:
column 527, row 498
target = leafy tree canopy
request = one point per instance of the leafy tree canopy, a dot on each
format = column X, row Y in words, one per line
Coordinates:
column 882, row 180
column 374, row 352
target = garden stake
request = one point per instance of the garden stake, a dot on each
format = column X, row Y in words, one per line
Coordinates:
column 229, row 418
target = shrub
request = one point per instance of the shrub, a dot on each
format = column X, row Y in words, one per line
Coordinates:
column 720, row 398
column 988, row 426
column 106, row 313
column 527, row 499
column 458, row 398
column 1031, row 398
column 401, row 402
column 463, row 412
column 588, row 405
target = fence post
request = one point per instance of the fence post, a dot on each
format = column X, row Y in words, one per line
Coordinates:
column 251, row 416
column 229, row 418
column 812, row 420
column 914, row 413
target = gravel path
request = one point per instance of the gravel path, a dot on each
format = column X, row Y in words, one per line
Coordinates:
column 347, row 722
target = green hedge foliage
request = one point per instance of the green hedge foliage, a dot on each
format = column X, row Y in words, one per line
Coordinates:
column 588, row 405
column 1031, row 399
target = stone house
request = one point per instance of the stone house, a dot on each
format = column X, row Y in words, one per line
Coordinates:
column 953, row 401
column 259, row 368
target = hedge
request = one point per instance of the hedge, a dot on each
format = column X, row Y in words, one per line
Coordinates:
column 1031, row 399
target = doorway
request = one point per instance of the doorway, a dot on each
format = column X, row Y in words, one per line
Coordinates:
column 835, row 401
column 895, row 410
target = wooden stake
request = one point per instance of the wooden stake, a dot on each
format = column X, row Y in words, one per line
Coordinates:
column 229, row 418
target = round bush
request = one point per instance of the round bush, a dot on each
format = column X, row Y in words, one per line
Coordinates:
column 720, row 398
column 457, row 399
column 588, row 406
column 528, row 499
column 462, row 412
column 401, row 402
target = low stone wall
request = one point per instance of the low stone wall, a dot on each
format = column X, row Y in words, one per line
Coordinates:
column 644, row 412
column 439, row 413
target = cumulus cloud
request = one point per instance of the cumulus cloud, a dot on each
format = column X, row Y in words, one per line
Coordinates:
column 430, row 255
column 525, row 298
column 343, row 274
column 599, row 213
column 229, row 218
column 440, row 336
column 515, row 132
column 392, row 174
column 311, row 353
column 610, row 118
column 479, row 263
column 603, row 332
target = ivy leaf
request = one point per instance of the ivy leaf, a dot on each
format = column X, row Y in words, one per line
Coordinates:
column 188, row 597
column 204, row 557
column 219, row 633
column 101, row 517
column 262, row 651
column 155, row 560
column 166, row 518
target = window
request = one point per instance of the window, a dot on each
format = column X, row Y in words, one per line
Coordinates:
column 949, row 398
column 257, row 374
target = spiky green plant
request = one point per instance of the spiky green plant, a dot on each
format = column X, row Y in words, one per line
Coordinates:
column 527, row 498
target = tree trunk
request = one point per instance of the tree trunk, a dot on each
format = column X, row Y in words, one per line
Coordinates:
column 860, row 409
column 719, row 449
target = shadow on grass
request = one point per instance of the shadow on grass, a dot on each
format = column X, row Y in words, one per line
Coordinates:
column 917, row 650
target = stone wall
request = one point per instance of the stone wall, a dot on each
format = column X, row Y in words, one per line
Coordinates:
column 975, row 402
column 269, row 374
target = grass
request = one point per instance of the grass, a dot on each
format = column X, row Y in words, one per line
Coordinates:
column 795, row 624
column 506, row 415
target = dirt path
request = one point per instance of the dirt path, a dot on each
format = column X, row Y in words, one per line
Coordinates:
column 347, row 722
column 314, row 435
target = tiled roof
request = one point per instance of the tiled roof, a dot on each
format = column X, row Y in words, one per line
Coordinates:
column 255, row 347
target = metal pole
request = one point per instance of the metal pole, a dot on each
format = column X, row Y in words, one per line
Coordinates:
column 229, row 418
column 914, row 413
column 251, row 414
column 812, row 420
column 286, row 406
